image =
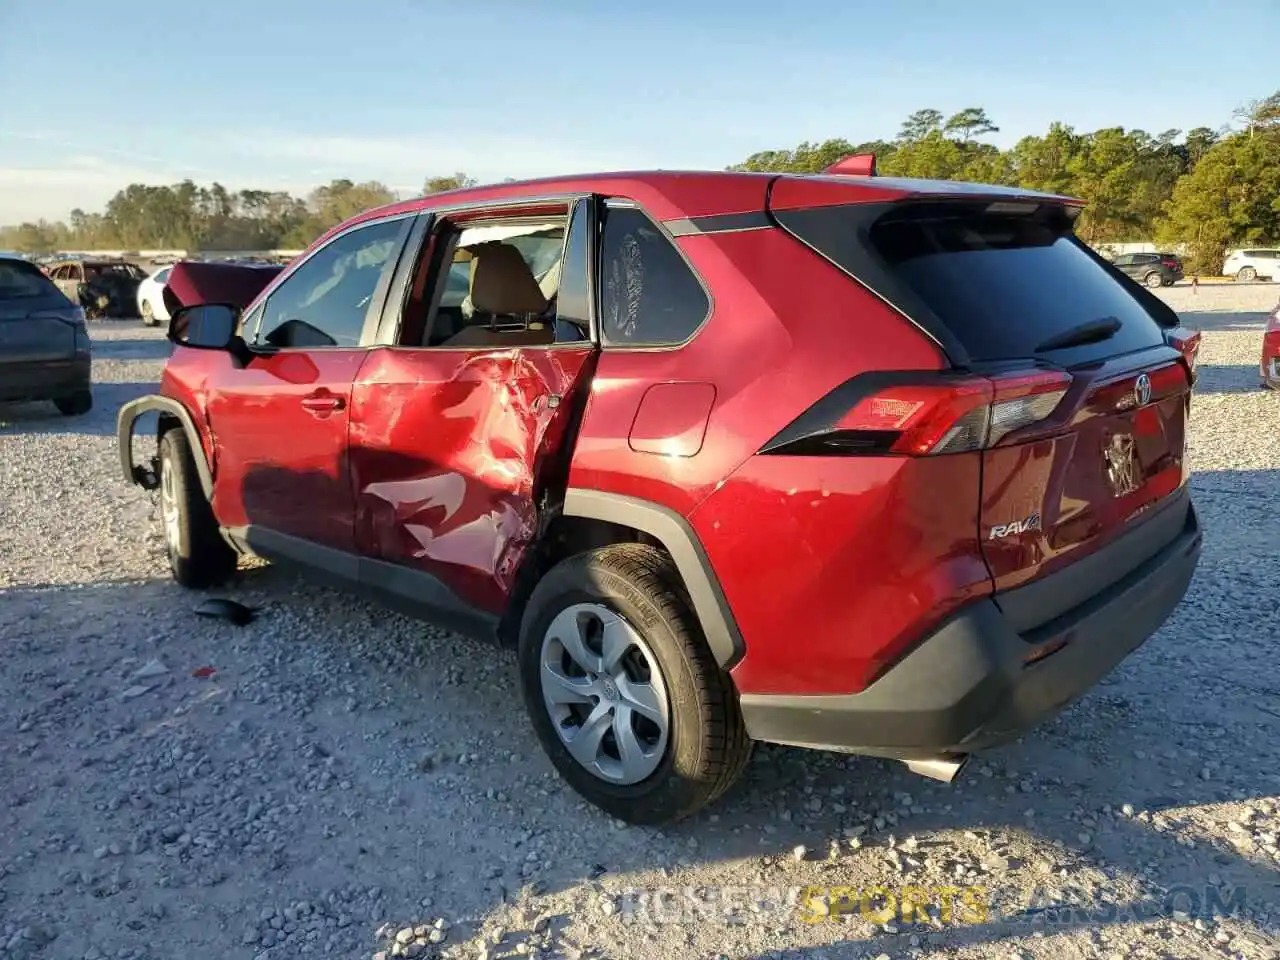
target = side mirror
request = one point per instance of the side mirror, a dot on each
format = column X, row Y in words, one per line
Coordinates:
column 205, row 326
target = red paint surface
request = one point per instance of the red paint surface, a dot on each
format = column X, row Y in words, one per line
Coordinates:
column 833, row 565
column 192, row 282
column 1270, row 348
column 279, row 464
column 1063, row 477
column 672, row 419
column 786, row 328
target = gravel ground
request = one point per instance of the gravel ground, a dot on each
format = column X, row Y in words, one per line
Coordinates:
column 348, row 783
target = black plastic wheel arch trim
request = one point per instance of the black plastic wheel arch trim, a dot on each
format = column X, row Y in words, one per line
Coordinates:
column 154, row 403
column 681, row 542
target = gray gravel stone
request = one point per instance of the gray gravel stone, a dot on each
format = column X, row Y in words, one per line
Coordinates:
column 290, row 780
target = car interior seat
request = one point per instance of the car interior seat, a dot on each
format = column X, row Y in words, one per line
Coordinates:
column 507, row 303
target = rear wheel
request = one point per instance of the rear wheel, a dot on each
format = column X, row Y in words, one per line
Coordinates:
column 75, row 405
column 623, row 691
column 1153, row 280
column 1247, row 275
column 198, row 556
column 148, row 314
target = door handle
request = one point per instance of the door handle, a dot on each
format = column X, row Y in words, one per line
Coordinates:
column 322, row 402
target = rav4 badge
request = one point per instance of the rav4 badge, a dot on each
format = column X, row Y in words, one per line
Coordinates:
column 1002, row 530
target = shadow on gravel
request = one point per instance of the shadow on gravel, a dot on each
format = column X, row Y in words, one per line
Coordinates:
column 1228, row 378
column 141, row 348
column 1080, row 769
column 1097, row 755
column 44, row 417
column 1225, row 320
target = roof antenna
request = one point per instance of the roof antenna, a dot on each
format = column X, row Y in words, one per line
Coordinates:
column 854, row 165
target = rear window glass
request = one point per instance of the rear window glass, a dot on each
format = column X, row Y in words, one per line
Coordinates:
column 1004, row 285
column 21, row 279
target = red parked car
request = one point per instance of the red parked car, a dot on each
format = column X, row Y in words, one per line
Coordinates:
column 1269, row 367
column 884, row 466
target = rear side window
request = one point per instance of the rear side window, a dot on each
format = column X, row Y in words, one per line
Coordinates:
column 19, row 280
column 649, row 296
column 1006, row 285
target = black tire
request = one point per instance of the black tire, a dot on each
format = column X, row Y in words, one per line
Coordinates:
column 707, row 745
column 1246, row 275
column 75, row 405
column 200, row 558
column 1153, row 280
column 148, row 315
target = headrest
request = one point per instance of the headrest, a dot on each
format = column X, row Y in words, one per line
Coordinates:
column 501, row 282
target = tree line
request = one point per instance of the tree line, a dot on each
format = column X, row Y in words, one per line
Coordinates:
column 186, row 216
column 1208, row 189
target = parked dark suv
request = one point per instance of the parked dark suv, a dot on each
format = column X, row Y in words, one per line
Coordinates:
column 884, row 466
column 1152, row 269
column 45, row 352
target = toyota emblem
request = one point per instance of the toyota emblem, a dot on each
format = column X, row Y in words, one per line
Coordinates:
column 1142, row 390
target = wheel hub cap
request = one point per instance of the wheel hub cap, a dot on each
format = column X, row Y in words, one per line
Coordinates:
column 605, row 693
column 169, row 507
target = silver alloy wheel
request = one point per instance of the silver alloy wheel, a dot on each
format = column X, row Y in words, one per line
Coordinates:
column 604, row 690
column 169, row 507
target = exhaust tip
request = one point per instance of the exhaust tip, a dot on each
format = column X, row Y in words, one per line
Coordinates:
column 945, row 768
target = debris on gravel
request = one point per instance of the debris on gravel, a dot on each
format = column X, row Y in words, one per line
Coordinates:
column 329, row 779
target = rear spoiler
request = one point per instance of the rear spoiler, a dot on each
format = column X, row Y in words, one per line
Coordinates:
column 854, row 165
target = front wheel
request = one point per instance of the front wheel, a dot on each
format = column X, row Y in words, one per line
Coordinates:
column 148, row 314
column 623, row 691
column 1247, row 275
column 198, row 556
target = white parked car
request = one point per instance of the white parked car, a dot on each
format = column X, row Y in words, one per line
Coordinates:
column 1252, row 264
column 151, row 298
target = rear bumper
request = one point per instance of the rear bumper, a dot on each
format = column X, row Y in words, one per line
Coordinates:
column 968, row 686
column 43, row 379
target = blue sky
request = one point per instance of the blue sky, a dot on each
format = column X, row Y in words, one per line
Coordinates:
column 285, row 94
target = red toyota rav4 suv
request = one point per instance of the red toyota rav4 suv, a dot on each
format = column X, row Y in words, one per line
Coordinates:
column 891, row 467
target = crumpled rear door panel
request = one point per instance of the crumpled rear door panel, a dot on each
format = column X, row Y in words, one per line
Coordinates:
column 449, row 450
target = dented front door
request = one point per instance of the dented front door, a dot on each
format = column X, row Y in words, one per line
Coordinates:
column 449, row 450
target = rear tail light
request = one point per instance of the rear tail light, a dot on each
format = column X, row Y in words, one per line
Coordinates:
column 1187, row 343
column 922, row 419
